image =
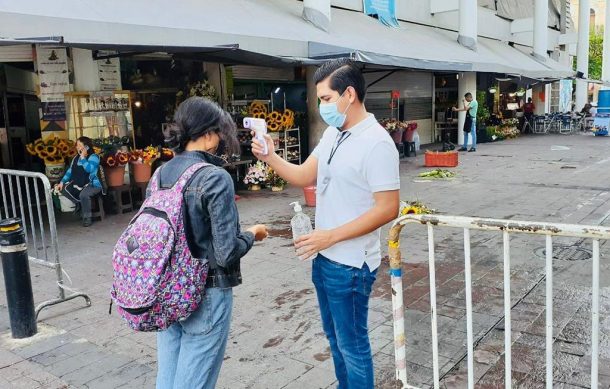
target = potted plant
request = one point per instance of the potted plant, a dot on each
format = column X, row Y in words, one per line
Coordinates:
column 141, row 162
column 256, row 176
column 113, row 162
column 54, row 152
column 276, row 182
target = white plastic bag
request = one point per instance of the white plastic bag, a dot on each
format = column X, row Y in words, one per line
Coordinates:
column 66, row 205
column 416, row 140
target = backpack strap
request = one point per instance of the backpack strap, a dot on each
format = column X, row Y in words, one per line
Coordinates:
column 187, row 175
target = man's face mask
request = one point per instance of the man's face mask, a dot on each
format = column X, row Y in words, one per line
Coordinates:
column 331, row 115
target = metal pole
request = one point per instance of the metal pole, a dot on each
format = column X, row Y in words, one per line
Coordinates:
column 16, row 269
column 398, row 308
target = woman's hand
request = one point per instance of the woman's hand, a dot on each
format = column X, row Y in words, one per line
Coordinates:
column 59, row 186
column 259, row 231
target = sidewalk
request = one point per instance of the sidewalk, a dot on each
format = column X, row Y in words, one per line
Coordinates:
column 276, row 338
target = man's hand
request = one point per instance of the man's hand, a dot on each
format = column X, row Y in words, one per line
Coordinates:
column 258, row 148
column 259, row 231
column 309, row 245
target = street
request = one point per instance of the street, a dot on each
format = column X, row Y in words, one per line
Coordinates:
column 276, row 337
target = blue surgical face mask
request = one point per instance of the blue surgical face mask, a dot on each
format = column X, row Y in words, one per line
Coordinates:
column 331, row 115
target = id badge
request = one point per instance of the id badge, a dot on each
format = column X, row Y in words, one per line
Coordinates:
column 324, row 185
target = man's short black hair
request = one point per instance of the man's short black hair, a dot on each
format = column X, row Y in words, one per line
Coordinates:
column 343, row 73
column 468, row 95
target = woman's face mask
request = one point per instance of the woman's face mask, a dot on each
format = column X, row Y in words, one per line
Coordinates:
column 331, row 115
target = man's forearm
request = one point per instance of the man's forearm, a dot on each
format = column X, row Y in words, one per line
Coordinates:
column 292, row 173
column 377, row 217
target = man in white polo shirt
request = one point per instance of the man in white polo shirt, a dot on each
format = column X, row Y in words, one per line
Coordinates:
column 356, row 169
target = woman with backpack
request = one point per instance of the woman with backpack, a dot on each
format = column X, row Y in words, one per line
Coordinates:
column 190, row 352
column 81, row 183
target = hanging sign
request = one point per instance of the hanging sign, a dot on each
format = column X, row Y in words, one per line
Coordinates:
column 54, row 81
column 384, row 10
column 109, row 72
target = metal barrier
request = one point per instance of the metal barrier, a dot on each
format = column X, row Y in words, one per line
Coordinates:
column 506, row 227
column 27, row 195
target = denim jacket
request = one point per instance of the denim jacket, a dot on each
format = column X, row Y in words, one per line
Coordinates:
column 211, row 218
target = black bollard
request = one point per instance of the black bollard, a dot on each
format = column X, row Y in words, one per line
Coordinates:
column 16, row 269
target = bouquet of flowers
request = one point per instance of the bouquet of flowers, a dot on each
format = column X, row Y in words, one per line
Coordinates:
column 257, row 174
column 52, row 150
column 146, row 156
column 392, row 125
column 274, row 180
column 200, row 88
column 115, row 158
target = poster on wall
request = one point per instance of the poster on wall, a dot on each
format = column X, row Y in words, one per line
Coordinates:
column 384, row 10
column 109, row 71
column 54, row 81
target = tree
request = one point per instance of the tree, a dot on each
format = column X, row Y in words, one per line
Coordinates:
column 596, row 42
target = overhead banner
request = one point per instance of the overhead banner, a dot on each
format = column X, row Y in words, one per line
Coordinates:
column 317, row 12
column 109, row 71
column 384, row 10
column 54, row 81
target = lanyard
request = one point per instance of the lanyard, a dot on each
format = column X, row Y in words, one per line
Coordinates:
column 342, row 137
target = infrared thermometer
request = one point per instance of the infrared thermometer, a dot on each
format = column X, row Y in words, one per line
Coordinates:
column 259, row 126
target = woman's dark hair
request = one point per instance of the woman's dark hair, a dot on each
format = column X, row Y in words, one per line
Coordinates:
column 87, row 142
column 343, row 73
column 198, row 116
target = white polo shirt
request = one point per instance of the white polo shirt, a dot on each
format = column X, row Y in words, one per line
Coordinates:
column 364, row 163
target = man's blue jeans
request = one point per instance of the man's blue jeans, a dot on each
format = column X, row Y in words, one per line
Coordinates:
column 343, row 294
column 190, row 353
column 472, row 132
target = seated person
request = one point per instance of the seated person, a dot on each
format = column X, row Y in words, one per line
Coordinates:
column 81, row 182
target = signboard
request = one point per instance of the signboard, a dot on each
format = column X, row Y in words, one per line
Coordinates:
column 54, row 81
column 384, row 10
column 109, row 72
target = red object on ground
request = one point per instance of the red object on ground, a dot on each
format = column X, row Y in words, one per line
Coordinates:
column 237, row 197
column 310, row 196
column 441, row 159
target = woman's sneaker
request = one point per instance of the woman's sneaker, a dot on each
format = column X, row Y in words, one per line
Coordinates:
column 87, row 222
column 472, row 150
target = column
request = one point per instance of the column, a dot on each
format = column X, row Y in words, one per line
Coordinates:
column 582, row 53
column 466, row 83
column 606, row 50
column 316, row 124
column 468, row 24
column 541, row 16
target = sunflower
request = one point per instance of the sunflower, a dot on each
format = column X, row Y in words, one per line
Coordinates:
column 110, row 161
column 409, row 210
column 51, row 151
column 30, row 149
column 122, row 158
column 39, row 147
column 43, row 154
column 71, row 152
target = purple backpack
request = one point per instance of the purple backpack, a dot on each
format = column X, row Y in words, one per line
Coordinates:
column 156, row 280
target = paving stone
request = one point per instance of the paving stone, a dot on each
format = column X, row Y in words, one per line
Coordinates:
column 95, row 370
column 120, row 376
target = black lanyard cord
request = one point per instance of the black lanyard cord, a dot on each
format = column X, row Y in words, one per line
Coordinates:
column 342, row 138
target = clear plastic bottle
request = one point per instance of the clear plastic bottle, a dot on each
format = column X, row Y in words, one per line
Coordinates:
column 300, row 223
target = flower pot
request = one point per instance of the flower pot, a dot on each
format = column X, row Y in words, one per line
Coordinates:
column 254, row 187
column 277, row 188
column 310, row 196
column 55, row 171
column 141, row 172
column 115, row 176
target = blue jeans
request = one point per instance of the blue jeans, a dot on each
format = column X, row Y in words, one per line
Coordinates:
column 473, row 131
column 190, row 353
column 343, row 294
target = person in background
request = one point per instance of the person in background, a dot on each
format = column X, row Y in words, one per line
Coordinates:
column 81, row 183
column 356, row 168
column 190, row 352
column 471, row 106
column 586, row 110
column 528, row 111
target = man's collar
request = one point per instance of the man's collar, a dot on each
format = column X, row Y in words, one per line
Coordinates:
column 363, row 125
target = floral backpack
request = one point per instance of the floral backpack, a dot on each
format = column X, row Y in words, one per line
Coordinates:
column 156, row 280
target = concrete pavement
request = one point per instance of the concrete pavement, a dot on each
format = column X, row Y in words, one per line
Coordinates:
column 276, row 338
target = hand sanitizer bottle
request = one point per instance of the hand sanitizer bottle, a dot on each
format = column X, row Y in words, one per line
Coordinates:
column 300, row 223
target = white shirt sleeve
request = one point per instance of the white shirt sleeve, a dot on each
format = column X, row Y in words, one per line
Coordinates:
column 383, row 168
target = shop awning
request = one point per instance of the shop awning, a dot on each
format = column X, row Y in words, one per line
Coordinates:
column 272, row 28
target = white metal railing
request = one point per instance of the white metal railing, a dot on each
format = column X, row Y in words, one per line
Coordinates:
column 506, row 227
